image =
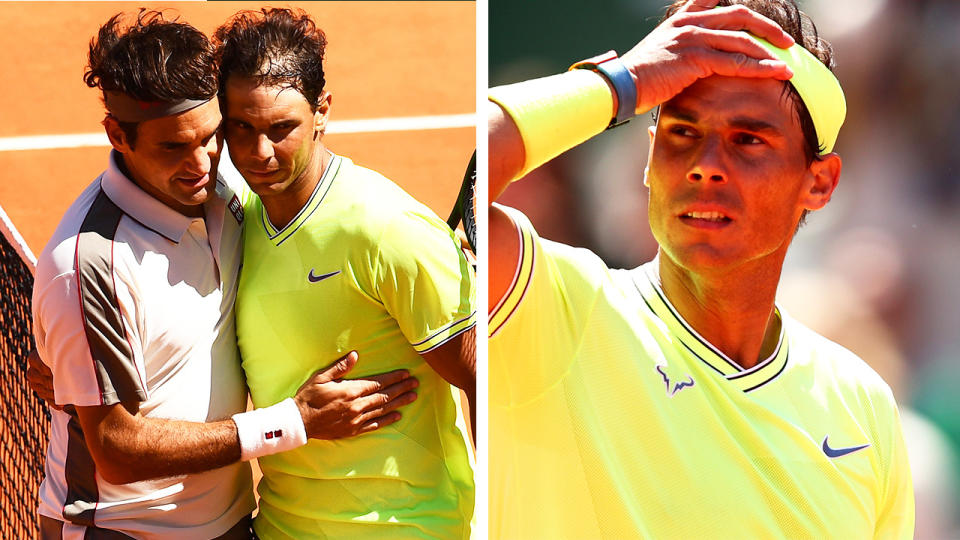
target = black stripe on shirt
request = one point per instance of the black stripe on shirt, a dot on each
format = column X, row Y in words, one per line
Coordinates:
column 113, row 358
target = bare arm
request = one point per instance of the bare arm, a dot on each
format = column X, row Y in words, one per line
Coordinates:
column 506, row 150
column 128, row 447
column 456, row 362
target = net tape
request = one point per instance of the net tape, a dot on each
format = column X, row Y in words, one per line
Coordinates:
column 23, row 417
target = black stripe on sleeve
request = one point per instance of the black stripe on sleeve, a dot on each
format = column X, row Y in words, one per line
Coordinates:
column 80, row 473
column 111, row 352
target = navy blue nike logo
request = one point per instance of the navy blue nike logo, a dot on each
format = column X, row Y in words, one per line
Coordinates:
column 837, row 452
column 321, row 277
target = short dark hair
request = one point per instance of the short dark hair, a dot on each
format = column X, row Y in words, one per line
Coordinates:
column 153, row 59
column 798, row 24
column 274, row 46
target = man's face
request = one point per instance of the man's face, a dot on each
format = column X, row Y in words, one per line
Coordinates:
column 175, row 157
column 272, row 133
column 727, row 173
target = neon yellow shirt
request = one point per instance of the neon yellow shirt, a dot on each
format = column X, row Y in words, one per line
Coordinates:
column 611, row 418
column 363, row 267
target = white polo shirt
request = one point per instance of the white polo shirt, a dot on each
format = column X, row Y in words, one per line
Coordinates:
column 133, row 302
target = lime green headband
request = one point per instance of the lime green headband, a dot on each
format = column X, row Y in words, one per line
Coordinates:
column 818, row 88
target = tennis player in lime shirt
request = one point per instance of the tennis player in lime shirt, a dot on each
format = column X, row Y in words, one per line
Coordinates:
column 337, row 257
column 682, row 402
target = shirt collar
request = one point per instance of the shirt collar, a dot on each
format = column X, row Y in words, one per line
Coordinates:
column 647, row 280
column 140, row 205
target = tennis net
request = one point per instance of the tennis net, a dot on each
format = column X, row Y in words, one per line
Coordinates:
column 23, row 417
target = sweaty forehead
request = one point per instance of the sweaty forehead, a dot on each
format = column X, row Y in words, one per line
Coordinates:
column 719, row 98
column 246, row 92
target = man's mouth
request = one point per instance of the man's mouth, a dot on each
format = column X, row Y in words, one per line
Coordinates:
column 707, row 216
column 262, row 174
column 195, row 180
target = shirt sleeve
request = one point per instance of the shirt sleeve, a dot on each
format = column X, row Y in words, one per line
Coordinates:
column 424, row 280
column 897, row 514
column 537, row 327
column 83, row 333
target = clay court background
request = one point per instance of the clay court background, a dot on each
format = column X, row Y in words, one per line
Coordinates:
column 384, row 60
column 405, row 70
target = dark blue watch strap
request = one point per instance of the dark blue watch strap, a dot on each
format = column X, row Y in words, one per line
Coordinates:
column 610, row 66
column 622, row 82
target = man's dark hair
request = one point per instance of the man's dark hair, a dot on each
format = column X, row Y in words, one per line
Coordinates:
column 151, row 60
column 275, row 47
column 788, row 16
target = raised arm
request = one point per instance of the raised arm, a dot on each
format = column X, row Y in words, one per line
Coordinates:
column 532, row 122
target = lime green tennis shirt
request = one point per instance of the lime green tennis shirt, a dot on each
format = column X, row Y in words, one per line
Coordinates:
column 362, row 267
column 610, row 417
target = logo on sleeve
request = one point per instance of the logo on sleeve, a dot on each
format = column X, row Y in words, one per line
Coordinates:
column 673, row 388
column 313, row 278
column 236, row 209
column 839, row 452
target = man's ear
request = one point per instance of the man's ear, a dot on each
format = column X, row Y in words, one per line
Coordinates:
column 822, row 178
column 322, row 116
column 118, row 139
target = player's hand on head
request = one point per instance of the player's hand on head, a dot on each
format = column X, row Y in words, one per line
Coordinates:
column 40, row 379
column 699, row 41
column 334, row 408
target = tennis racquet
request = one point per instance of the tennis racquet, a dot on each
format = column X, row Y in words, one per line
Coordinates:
column 465, row 209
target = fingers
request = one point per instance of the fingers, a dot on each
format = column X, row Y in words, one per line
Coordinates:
column 733, row 41
column 698, row 5
column 39, row 377
column 379, row 422
column 336, row 370
column 390, row 407
column 741, row 65
column 749, row 58
column 388, row 399
column 735, row 18
column 374, row 383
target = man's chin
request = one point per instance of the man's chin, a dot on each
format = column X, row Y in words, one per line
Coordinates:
column 701, row 258
column 200, row 195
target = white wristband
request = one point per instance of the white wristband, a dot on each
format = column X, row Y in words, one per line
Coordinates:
column 269, row 430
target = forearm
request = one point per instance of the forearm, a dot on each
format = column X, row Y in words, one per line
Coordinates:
column 531, row 122
column 128, row 447
column 172, row 447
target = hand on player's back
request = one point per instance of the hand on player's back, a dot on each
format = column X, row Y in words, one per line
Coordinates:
column 700, row 41
column 40, row 379
column 334, row 408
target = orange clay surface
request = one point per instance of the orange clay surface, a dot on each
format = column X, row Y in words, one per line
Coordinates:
column 384, row 59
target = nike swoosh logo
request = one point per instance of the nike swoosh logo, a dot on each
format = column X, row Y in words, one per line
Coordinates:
column 838, row 452
column 313, row 278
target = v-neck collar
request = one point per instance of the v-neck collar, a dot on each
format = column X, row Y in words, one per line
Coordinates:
column 279, row 235
column 646, row 279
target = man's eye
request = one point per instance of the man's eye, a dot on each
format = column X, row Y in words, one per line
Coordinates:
column 746, row 138
column 682, row 131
